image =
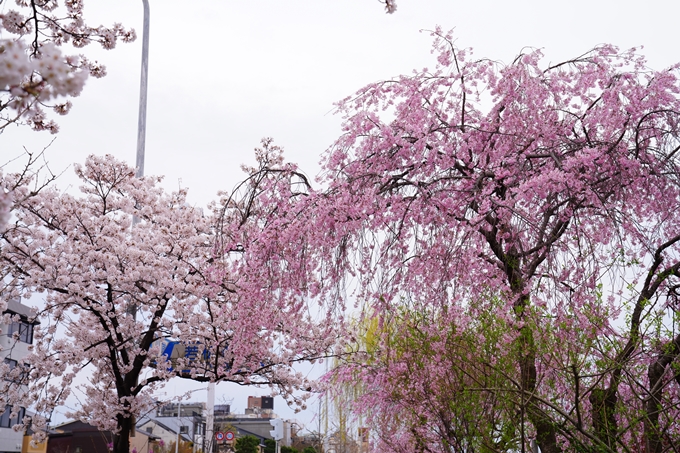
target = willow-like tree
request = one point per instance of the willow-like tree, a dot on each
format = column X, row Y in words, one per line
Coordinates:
column 247, row 444
column 553, row 188
column 425, row 379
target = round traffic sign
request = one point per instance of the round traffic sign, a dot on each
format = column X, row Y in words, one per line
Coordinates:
column 229, row 435
column 219, row 435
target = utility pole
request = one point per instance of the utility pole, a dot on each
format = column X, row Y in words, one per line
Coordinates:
column 192, row 434
column 179, row 424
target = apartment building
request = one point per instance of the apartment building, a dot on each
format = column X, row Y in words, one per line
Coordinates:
column 15, row 339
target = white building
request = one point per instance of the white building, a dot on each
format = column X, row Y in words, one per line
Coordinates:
column 164, row 432
column 15, row 339
column 191, row 428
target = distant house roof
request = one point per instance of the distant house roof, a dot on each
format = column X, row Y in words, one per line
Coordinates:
column 245, row 432
column 69, row 435
column 75, row 426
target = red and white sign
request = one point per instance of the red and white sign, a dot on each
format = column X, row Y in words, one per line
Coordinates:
column 219, row 435
column 229, row 435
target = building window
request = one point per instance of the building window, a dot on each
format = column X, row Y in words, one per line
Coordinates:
column 11, row 362
column 6, row 422
column 12, row 365
column 18, row 377
column 23, row 329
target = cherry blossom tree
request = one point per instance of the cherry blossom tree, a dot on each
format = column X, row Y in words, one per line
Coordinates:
column 545, row 194
column 114, row 288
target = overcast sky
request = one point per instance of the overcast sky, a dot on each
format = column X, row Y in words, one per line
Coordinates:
column 225, row 73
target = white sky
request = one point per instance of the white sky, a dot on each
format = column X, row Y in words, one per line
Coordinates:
column 225, row 73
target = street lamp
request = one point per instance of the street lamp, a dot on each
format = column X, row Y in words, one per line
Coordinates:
column 143, row 83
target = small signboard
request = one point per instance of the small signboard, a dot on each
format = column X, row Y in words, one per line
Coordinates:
column 267, row 402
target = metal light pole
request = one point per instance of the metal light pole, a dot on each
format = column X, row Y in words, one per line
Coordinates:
column 179, row 424
column 141, row 143
column 143, row 83
column 141, row 134
column 211, row 404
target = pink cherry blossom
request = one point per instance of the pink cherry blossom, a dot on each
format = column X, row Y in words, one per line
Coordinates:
column 510, row 234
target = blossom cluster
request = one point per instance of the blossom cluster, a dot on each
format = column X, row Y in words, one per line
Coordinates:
column 34, row 74
column 390, row 6
column 31, row 82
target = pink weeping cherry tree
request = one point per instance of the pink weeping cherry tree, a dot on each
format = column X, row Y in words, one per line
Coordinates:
column 123, row 266
column 524, row 218
column 514, row 230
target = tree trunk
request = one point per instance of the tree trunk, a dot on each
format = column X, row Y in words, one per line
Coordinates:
column 121, row 442
column 653, row 408
column 546, row 435
column 603, row 404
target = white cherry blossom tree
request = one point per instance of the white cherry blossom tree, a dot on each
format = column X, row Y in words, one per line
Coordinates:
column 114, row 289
